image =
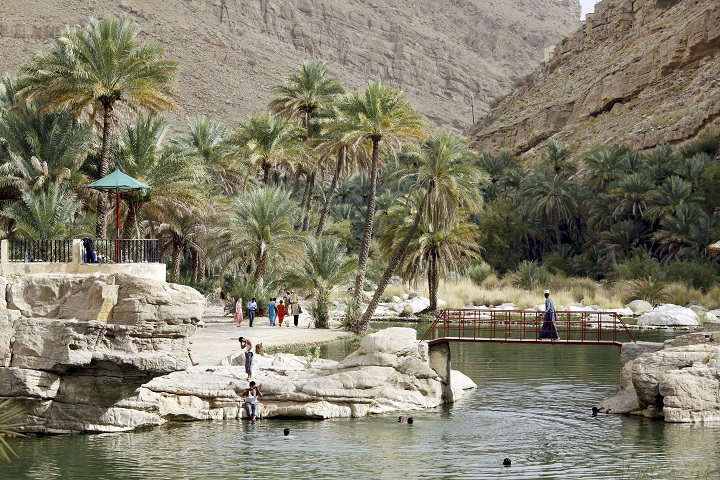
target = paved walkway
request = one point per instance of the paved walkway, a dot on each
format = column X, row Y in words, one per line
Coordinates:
column 216, row 340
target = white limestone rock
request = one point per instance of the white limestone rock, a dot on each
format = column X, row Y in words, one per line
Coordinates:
column 639, row 306
column 669, row 315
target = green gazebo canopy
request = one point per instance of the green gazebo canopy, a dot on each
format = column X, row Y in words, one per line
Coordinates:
column 117, row 180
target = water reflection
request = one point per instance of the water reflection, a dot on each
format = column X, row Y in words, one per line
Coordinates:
column 532, row 405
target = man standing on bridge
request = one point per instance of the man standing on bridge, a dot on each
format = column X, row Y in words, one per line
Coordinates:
column 548, row 329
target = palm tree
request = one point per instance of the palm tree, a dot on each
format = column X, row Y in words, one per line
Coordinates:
column 97, row 68
column 268, row 140
column 50, row 213
column 378, row 114
column 141, row 153
column 434, row 252
column 603, row 166
column 37, row 148
column 182, row 234
column 551, row 198
column 447, row 182
column 9, row 414
column 321, row 272
column 205, row 142
column 558, row 159
column 261, row 228
column 303, row 95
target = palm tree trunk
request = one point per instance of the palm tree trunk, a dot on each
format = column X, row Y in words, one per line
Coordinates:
column 331, row 193
column 129, row 223
column 201, row 268
column 296, row 185
column 260, row 265
column 266, row 173
column 304, row 199
column 308, row 206
column 176, row 261
column 398, row 256
column 433, row 282
column 369, row 217
column 101, row 226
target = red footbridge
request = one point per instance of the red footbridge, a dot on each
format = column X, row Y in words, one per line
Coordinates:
column 526, row 326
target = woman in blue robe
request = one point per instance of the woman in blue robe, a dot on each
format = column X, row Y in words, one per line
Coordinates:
column 548, row 328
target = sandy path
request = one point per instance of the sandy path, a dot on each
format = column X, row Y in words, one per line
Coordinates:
column 216, row 341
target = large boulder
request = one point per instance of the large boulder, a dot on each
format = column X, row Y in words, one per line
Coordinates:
column 73, row 365
column 679, row 382
column 639, row 306
column 669, row 315
column 412, row 305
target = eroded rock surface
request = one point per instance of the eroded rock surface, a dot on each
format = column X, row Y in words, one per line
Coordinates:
column 678, row 381
column 389, row 372
column 74, row 348
column 640, row 73
column 448, row 55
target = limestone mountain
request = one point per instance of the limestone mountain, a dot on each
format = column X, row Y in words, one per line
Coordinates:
column 442, row 53
column 638, row 72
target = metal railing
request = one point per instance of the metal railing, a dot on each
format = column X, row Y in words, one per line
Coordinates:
column 520, row 326
column 54, row 251
column 111, row 250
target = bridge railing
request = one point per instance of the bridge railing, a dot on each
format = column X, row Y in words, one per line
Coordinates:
column 527, row 326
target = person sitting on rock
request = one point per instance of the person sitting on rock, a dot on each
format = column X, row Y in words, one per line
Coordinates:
column 251, row 394
column 247, row 346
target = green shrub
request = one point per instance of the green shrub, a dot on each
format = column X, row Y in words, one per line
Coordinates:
column 478, row 272
column 639, row 265
column 693, row 274
column 243, row 286
column 649, row 289
column 529, row 275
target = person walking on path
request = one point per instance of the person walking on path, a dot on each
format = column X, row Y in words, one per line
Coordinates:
column 252, row 307
column 238, row 312
column 296, row 311
column 281, row 312
column 251, row 395
column 247, row 346
column 548, row 329
column 272, row 311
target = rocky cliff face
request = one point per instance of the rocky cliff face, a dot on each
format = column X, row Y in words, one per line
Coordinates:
column 442, row 53
column 70, row 372
column 638, row 72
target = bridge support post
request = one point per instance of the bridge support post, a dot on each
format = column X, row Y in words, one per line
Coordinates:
column 439, row 359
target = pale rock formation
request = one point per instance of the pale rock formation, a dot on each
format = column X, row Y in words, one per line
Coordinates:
column 669, row 315
column 678, row 381
column 74, row 348
column 639, row 306
column 388, row 372
column 411, row 306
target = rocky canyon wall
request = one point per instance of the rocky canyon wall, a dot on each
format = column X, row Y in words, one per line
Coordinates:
column 638, row 72
column 448, row 55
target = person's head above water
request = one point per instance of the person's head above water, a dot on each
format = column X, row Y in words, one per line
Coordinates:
column 507, row 462
column 594, row 411
column 410, row 420
column 400, row 419
column 286, row 432
column 547, row 293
